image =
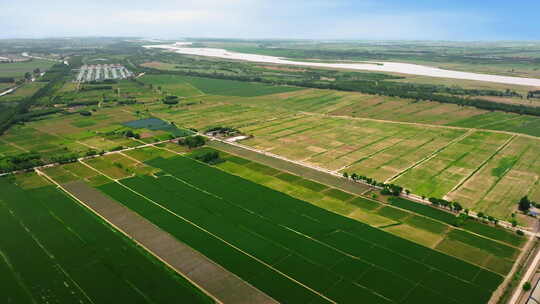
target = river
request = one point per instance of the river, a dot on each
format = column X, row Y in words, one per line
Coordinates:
column 396, row 67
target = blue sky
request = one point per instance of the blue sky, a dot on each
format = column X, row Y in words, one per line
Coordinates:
column 310, row 19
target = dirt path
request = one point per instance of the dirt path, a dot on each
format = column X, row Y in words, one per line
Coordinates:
column 217, row 282
column 314, row 173
column 528, row 275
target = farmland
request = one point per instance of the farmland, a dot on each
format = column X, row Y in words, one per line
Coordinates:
column 186, row 86
column 22, row 92
column 60, row 250
column 18, row 69
column 388, row 139
column 281, row 209
column 288, row 223
column 419, row 223
column 506, row 176
column 429, row 159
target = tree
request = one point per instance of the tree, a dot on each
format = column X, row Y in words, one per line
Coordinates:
column 524, row 204
column 514, row 223
column 527, row 286
column 345, row 175
column 407, row 191
column 457, row 206
column 27, row 76
column 37, row 71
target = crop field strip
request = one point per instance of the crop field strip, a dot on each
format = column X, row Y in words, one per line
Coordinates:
column 221, row 284
column 428, row 227
column 170, row 183
column 63, row 254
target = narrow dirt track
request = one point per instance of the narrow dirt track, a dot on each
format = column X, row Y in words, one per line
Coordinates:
column 216, row 281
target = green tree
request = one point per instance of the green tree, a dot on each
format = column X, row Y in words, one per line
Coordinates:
column 345, row 174
column 524, row 204
column 527, row 286
column 457, row 206
column 193, row 141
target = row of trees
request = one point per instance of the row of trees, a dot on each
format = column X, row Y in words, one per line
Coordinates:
column 387, row 189
column 395, row 190
column 439, row 202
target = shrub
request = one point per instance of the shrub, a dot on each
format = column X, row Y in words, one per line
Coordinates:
column 211, row 157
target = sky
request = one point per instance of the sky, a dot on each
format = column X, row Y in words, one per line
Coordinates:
column 462, row 20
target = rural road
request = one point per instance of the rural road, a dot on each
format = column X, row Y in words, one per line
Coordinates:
column 526, row 278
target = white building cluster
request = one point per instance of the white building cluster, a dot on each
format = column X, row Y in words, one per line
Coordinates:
column 100, row 72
